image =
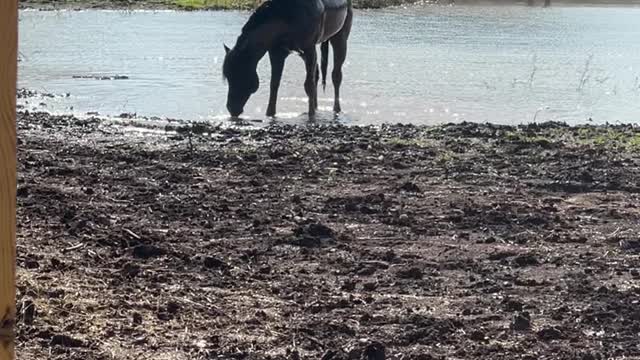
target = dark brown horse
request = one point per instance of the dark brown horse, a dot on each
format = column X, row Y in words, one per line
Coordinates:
column 280, row 27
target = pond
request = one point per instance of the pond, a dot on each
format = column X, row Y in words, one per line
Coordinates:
column 419, row 64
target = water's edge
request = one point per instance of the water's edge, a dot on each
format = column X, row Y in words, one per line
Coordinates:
column 482, row 64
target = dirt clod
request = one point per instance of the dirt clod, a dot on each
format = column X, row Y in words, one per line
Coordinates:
column 410, row 187
column 374, row 351
column 136, row 318
column 131, row 270
column 213, row 263
column 31, row 264
column 521, row 322
column 512, row 305
column 148, row 251
column 477, row 335
column 369, row 286
column 66, row 341
column 414, row 273
column 313, row 235
column 173, row 307
column 630, row 245
column 526, row 260
column 549, row 334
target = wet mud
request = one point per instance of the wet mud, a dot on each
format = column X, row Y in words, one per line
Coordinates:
column 466, row 241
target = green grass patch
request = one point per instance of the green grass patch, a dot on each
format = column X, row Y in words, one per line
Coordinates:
column 537, row 139
column 615, row 138
column 445, row 157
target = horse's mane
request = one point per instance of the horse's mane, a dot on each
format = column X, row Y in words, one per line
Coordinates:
column 270, row 9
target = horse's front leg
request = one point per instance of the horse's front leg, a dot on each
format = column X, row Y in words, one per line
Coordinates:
column 277, row 58
column 311, row 84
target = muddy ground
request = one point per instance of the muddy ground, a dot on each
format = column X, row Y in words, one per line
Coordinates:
column 328, row 242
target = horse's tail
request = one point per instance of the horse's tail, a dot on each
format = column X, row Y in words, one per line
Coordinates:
column 324, row 58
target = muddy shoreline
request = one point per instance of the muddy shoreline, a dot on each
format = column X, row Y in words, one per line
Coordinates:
column 327, row 242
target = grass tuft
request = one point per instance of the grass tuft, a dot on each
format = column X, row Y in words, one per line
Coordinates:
column 610, row 138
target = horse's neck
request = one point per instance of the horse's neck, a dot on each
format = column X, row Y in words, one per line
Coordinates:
column 265, row 37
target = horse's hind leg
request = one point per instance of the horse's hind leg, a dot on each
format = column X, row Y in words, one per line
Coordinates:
column 311, row 83
column 277, row 58
column 317, row 79
column 339, row 45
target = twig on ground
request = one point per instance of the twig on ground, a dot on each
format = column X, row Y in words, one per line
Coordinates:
column 74, row 247
column 132, row 234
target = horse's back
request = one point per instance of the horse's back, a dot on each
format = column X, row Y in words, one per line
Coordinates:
column 310, row 20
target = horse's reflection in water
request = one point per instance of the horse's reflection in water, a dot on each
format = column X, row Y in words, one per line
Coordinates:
column 320, row 118
column 279, row 27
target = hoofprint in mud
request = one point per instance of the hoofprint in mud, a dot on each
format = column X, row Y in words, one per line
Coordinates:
column 460, row 241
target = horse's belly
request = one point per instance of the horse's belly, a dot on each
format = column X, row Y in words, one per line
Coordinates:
column 333, row 21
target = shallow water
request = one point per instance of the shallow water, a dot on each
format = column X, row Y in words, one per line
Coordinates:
column 427, row 64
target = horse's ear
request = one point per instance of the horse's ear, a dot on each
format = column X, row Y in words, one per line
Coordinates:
column 226, row 48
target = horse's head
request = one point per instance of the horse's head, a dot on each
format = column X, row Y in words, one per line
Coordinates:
column 239, row 69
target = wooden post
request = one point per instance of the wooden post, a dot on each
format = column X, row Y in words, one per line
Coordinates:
column 8, row 70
